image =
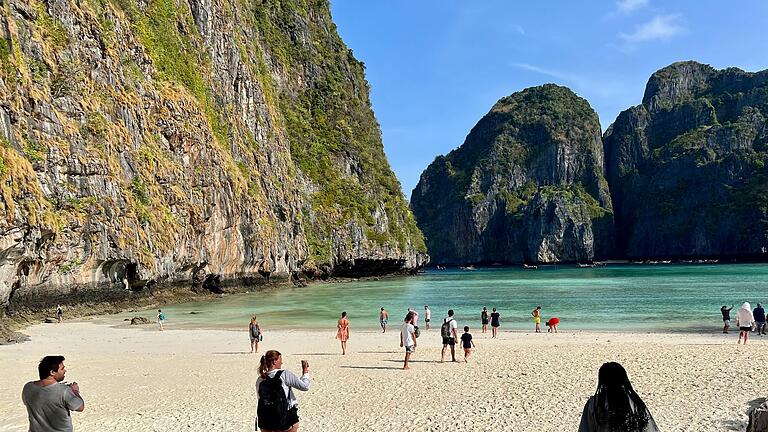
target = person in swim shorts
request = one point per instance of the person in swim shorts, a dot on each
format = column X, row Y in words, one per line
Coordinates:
column 484, row 319
column 427, row 315
column 536, row 313
column 383, row 318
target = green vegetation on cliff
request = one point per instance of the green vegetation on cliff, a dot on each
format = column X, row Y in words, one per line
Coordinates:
column 335, row 139
column 687, row 167
column 187, row 137
column 530, row 169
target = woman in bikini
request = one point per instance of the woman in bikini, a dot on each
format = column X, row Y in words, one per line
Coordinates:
column 343, row 332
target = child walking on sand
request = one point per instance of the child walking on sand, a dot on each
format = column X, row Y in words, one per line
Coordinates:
column 467, row 343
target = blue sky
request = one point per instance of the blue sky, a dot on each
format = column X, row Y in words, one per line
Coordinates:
column 437, row 66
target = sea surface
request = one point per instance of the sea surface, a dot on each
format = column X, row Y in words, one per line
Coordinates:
column 662, row 297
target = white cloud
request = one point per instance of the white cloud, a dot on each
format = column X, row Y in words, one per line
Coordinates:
column 518, row 28
column 628, row 6
column 560, row 75
column 660, row 27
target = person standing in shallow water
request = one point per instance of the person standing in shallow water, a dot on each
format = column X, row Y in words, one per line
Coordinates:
column 427, row 316
column 615, row 406
column 484, row 319
column 726, row 311
column 343, row 332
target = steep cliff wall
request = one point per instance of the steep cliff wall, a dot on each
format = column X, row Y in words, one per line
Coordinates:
column 527, row 185
column 193, row 141
column 687, row 167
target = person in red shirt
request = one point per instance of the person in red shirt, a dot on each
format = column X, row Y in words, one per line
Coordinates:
column 552, row 324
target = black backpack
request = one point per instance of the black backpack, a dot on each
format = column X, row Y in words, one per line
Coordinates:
column 272, row 412
column 445, row 329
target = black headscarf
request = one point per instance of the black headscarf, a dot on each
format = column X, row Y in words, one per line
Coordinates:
column 616, row 404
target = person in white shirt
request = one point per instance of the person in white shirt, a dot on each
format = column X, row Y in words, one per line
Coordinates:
column 449, row 335
column 270, row 366
column 745, row 321
column 408, row 338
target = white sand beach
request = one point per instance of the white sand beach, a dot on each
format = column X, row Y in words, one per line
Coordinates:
column 140, row 379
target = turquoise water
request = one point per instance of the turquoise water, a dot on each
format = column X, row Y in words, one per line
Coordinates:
column 684, row 297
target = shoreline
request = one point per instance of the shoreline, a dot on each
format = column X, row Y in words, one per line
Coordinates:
column 202, row 380
column 13, row 324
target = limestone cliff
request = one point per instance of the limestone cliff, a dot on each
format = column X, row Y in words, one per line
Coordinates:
column 190, row 141
column 527, row 185
column 687, row 167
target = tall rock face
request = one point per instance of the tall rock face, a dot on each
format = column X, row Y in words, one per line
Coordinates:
column 527, row 185
column 687, row 167
column 193, row 141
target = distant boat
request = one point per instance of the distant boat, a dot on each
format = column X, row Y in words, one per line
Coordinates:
column 468, row 268
column 587, row 265
column 441, row 267
column 529, row 267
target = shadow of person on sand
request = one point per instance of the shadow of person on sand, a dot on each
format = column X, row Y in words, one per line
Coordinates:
column 740, row 425
column 417, row 361
column 318, row 354
column 372, row 367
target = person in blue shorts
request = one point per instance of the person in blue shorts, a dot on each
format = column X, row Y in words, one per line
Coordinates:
column 383, row 319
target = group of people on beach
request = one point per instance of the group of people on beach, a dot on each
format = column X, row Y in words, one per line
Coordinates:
column 410, row 332
column 615, row 406
column 747, row 320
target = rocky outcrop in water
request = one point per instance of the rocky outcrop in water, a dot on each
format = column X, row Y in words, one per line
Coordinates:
column 527, row 185
column 687, row 168
column 196, row 142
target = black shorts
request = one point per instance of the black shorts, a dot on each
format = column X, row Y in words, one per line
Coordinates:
column 495, row 324
column 426, row 319
column 291, row 418
column 449, row 341
column 745, row 328
column 484, row 322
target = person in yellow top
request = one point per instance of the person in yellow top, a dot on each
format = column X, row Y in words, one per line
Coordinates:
column 536, row 313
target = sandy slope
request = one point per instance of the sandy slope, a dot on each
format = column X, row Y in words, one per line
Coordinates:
column 140, row 379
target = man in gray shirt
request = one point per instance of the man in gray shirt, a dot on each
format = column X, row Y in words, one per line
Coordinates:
column 49, row 400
